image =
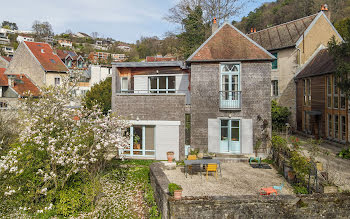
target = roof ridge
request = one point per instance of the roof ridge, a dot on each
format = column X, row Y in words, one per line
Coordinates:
column 283, row 23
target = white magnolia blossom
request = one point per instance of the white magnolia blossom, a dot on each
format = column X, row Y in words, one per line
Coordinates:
column 75, row 139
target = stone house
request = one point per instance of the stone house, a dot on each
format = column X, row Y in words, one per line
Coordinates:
column 322, row 108
column 71, row 59
column 4, row 61
column 217, row 101
column 39, row 62
column 293, row 43
column 13, row 87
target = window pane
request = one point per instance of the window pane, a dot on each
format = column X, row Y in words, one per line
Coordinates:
column 162, row 82
column 171, row 82
column 330, row 125
column 336, row 127
column 235, row 124
column 124, row 83
column 329, row 102
column 342, row 102
column 137, row 139
column 153, row 82
column 235, row 134
column 224, row 134
column 336, row 102
column 149, row 138
column 329, row 85
column 275, row 62
column 224, row 122
column 234, row 82
column 343, row 128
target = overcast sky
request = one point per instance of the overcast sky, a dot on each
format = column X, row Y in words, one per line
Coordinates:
column 124, row 20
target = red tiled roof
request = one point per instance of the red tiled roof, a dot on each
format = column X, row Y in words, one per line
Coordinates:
column 22, row 84
column 47, row 58
column 282, row 35
column 160, row 59
column 6, row 58
column 322, row 63
column 3, row 78
column 228, row 43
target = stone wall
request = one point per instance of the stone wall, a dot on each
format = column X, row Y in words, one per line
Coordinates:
column 167, row 107
column 281, row 206
column 205, row 98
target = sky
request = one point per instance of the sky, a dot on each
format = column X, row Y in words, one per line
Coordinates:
column 123, row 20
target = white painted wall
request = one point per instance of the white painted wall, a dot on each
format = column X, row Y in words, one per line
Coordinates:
column 99, row 73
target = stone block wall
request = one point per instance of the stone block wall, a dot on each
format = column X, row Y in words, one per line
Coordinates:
column 205, row 98
column 250, row 206
column 167, row 107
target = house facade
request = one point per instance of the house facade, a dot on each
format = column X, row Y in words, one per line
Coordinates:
column 322, row 108
column 4, row 61
column 71, row 59
column 217, row 101
column 293, row 43
column 39, row 62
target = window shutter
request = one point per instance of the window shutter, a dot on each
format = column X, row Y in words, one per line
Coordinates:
column 247, row 136
column 214, row 135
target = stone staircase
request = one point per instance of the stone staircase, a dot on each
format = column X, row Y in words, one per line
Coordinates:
column 232, row 158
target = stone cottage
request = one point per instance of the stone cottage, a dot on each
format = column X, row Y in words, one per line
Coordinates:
column 217, row 101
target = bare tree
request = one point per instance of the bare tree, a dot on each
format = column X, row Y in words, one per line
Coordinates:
column 221, row 9
column 42, row 29
column 94, row 35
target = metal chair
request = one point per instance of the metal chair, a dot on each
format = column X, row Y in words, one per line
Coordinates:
column 212, row 167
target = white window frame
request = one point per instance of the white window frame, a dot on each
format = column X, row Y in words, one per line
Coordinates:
column 274, row 87
column 158, row 90
column 121, row 84
column 59, row 81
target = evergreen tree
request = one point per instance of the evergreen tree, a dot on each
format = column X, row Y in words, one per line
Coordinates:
column 195, row 32
column 99, row 94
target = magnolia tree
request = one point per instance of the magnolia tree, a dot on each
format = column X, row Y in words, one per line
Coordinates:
column 57, row 142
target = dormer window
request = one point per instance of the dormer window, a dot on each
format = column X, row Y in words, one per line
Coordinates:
column 53, row 61
column 42, row 51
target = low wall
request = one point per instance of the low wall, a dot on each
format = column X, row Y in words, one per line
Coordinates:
column 281, row 206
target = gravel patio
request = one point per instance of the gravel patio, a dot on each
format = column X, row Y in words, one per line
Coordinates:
column 237, row 179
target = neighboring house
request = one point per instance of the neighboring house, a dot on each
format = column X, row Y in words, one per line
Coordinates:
column 98, row 73
column 160, row 58
column 9, row 50
column 4, row 40
column 39, row 62
column 322, row 108
column 65, row 43
column 293, row 43
column 13, row 87
column 82, row 35
column 217, row 101
column 22, row 38
column 96, row 57
column 4, row 61
column 71, row 59
column 125, row 48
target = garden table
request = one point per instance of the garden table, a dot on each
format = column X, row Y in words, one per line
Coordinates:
column 201, row 162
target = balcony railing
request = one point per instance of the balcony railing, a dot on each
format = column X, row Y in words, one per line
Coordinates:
column 159, row 92
column 230, row 99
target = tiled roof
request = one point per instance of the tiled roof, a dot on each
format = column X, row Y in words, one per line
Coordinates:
column 228, row 43
column 47, row 58
column 321, row 64
column 22, row 84
column 3, row 78
column 282, row 35
column 6, row 58
column 64, row 53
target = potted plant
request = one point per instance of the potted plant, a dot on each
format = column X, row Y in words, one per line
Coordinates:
column 170, row 156
column 175, row 190
column 137, row 145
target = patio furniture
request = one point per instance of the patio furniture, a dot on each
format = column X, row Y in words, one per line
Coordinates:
column 212, row 167
column 279, row 187
column 258, row 159
column 201, row 163
column 195, row 168
column 268, row 191
column 192, row 157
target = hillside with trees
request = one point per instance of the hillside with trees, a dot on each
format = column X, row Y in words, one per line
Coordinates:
column 281, row 11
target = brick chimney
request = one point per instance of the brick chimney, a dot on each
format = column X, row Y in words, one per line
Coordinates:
column 326, row 11
column 214, row 26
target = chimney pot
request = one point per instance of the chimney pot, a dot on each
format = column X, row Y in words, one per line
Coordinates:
column 42, row 51
column 254, row 30
column 214, row 26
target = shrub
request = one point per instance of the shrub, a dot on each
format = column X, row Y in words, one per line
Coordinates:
column 300, row 165
column 99, row 94
column 279, row 143
column 172, row 187
column 279, row 115
column 345, row 153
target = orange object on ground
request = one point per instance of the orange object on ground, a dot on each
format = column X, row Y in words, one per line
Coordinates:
column 268, row 191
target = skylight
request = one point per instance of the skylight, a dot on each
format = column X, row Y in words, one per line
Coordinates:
column 53, row 61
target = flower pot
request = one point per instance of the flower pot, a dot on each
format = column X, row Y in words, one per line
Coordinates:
column 177, row 194
column 170, row 156
column 291, row 175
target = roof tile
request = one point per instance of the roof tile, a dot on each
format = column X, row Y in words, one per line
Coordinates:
column 47, row 58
